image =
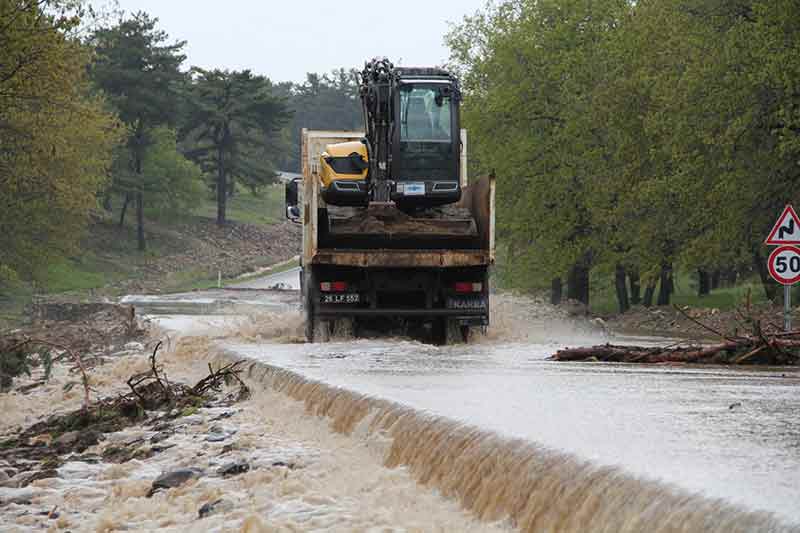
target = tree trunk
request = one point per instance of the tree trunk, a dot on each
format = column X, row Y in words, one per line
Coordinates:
column 124, row 209
column 140, row 220
column 715, row 280
column 729, row 277
column 578, row 283
column 703, row 283
column 636, row 288
column 770, row 286
column 222, row 189
column 555, row 291
column 622, row 289
column 140, row 205
column 666, row 286
column 649, row 291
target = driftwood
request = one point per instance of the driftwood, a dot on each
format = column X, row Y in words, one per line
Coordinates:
column 783, row 349
column 758, row 347
column 152, row 389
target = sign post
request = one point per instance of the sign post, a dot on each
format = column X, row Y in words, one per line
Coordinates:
column 784, row 261
column 787, row 308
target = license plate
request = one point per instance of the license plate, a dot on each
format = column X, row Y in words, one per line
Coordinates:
column 466, row 303
column 350, row 298
column 414, row 188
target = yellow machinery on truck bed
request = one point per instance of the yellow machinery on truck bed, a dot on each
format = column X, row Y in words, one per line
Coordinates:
column 416, row 270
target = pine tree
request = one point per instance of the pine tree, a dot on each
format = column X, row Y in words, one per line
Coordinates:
column 139, row 70
column 233, row 122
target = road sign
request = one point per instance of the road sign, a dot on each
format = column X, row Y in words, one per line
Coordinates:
column 784, row 265
column 786, row 229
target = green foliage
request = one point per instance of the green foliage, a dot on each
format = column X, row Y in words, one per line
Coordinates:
column 232, row 130
column 55, row 138
column 647, row 134
column 171, row 182
column 139, row 70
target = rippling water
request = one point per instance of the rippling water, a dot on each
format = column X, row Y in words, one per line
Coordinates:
column 730, row 433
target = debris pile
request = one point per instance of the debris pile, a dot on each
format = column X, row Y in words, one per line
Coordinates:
column 37, row 452
column 78, row 333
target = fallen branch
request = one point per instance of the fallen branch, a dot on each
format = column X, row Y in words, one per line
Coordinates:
column 747, row 350
column 72, row 354
column 704, row 326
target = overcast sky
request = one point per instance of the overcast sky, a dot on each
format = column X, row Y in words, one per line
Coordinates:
column 284, row 39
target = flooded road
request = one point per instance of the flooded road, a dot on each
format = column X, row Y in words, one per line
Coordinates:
column 721, row 432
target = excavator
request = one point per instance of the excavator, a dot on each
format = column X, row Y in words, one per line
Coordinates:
column 410, row 153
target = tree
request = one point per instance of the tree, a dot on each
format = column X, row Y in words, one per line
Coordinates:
column 169, row 181
column 634, row 138
column 323, row 101
column 56, row 139
column 232, row 125
column 530, row 70
column 140, row 71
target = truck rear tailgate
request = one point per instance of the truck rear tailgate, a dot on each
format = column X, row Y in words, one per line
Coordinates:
column 402, row 258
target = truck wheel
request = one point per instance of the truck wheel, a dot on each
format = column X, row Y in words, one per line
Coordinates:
column 343, row 328
column 449, row 332
column 308, row 304
column 322, row 330
column 309, row 324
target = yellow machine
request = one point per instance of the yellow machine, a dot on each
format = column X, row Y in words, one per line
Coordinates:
column 343, row 173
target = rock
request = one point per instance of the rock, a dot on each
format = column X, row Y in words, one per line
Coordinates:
column 67, row 440
column 4, row 477
column 217, row 433
column 159, row 437
column 216, row 507
column 173, row 479
column 45, row 439
column 233, row 469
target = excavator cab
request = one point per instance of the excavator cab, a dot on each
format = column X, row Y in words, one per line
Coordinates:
column 426, row 147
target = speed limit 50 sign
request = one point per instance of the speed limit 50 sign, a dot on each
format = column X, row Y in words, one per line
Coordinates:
column 784, row 265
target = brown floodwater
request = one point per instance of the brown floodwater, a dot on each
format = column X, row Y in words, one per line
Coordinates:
column 556, row 446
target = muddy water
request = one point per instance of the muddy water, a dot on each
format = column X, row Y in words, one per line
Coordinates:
column 581, row 436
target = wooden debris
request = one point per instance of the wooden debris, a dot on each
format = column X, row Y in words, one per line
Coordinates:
column 772, row 350
column 757, row 348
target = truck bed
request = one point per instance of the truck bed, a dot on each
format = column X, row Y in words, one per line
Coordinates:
column 405, row 258
column 457, row 235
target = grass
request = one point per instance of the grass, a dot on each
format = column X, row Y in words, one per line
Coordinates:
column 264, row 209
column 110, row 252
column 80, row 274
